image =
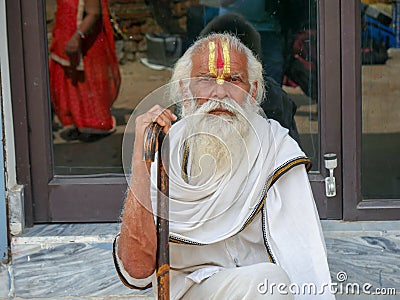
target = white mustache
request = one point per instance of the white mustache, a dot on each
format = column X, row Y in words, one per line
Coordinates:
column 227, row 104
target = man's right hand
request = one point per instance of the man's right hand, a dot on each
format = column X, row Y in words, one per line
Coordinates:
column 158, row 114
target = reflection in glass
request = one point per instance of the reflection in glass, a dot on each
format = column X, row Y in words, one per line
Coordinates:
column 83, row 71
column 380, row 101
column 148, row 38
column 100, row 104
column 301, row 74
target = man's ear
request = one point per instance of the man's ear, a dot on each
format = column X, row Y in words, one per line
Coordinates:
column 253, row 90
column 185, row 91
column 184, row 88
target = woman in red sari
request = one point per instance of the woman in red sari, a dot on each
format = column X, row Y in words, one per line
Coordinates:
column 84, row 72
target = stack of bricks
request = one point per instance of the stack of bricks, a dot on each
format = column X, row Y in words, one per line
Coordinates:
column 132, row 19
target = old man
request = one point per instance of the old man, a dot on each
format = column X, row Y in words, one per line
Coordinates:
column 243, row 222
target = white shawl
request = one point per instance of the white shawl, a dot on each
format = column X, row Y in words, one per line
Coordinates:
column 218, row 210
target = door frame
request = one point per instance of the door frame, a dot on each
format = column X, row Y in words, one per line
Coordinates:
column 4, row 233
column 50, row 198
column 329, row 108
column 19, row 103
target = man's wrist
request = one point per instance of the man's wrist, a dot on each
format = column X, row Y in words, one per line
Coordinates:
column 138, row 147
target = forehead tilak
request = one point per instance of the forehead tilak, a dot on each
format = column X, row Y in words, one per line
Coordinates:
column 221, row 62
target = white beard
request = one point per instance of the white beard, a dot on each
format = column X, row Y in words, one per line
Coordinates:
column 216, row 143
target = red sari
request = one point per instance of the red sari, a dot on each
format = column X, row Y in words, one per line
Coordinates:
column 82, row 95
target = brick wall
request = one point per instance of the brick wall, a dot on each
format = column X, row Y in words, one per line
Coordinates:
column 132, row 19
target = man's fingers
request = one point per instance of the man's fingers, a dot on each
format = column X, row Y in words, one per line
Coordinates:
column 170, row 115
column 165, row 111
column 162, row 118
column 158, row 114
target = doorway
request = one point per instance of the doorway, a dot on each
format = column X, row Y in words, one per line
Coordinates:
column 81, row 181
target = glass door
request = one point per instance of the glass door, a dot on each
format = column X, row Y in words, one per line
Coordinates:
column 371, row 109
column 76, row 129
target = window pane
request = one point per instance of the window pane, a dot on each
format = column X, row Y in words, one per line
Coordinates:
column 95, row 97
column 302, row 70
column 380, row 101
column 89, row 116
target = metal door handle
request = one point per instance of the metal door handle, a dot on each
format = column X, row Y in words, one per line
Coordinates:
column 330, row 182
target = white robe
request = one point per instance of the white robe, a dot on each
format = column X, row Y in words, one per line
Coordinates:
column 213, row 212
column 264, row 211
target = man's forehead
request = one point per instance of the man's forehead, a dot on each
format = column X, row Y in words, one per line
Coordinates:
column 217, row 54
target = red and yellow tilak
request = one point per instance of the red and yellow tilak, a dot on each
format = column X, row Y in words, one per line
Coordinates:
column 222, row 61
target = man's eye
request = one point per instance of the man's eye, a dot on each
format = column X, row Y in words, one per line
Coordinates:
column 206, row 79
column 236, row 79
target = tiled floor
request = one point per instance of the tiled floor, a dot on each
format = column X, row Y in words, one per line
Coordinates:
column 367, row 252
column 69, row 261
column 73, row 261
column 4, row 288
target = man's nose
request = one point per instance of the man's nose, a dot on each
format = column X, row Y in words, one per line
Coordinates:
column 220, row 89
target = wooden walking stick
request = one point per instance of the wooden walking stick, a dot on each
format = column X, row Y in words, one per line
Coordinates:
column 154, row 138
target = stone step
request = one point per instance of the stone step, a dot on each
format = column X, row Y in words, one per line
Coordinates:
column 74, row 261
column 68, row 261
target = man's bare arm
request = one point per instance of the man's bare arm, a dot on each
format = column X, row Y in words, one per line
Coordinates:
column 137, row 244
